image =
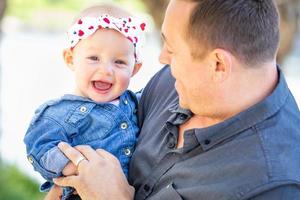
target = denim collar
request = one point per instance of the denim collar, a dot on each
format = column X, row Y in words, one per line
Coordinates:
column 210, row 136
column 73, row 97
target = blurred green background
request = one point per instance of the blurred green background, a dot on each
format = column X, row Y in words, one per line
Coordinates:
column 17, row 186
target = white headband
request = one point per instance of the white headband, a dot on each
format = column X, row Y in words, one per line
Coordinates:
column 132, row 28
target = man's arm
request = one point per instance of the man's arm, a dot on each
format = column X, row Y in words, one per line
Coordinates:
column 100, row 176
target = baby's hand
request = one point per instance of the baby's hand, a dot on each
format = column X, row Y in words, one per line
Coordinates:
column 70, row 169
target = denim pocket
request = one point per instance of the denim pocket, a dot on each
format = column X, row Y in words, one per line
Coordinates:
column 91, row 129
column 92, row 123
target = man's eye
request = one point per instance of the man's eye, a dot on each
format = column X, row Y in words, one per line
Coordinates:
column 120, row 62
column 169, row 51
column 93, row 58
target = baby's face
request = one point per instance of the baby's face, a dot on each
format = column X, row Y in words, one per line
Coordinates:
column 103, row 64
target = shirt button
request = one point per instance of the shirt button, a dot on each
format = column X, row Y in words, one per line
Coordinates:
column 124, row 125
column 183, row 117
column 171, row 145
column 146, row 188
column 30, row 159
column 125, row 101
column 127, row 152
column 206, row 142
column 83, row 109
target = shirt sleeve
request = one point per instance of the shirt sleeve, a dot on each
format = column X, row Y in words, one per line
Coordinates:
column 41, row 142
column 290, row 192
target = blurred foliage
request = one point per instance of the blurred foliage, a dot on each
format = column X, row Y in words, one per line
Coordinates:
column 56, row 15
column 135, row 4
column 25, row 9
column 17, row 186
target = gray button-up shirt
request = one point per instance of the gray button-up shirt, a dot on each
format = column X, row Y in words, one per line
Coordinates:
column 254, row 155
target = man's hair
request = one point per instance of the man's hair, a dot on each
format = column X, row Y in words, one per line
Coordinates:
column 246, row 28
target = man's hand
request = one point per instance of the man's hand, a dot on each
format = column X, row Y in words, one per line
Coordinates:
column 70, row 169
column 100, row 175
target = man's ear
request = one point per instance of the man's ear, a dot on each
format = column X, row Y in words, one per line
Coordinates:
column 68, row 58
column 222, row 64
column 136, row 68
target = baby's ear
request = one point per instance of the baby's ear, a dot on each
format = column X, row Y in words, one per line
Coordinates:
column 136, row 68
column 68, row 58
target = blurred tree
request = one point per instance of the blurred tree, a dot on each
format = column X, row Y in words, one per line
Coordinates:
column 2, row 8
column 289, row 11
column 156, row 8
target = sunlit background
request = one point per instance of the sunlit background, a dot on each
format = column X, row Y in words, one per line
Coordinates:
column 32, row 70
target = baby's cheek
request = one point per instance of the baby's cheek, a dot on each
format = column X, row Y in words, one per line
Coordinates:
column 124, row 79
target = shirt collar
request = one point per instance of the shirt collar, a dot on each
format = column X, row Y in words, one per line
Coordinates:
column 180, row 115
column 72, row 97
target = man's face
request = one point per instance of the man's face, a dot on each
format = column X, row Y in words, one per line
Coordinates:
column 193, row 76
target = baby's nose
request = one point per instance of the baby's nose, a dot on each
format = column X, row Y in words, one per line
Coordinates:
column 106, row 69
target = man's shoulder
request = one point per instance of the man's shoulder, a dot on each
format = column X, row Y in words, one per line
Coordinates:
column 158, row 94
column 161, row 81
column 280, row 145
column 160, row 87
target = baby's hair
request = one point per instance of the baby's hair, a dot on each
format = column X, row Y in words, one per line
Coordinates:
column 97, row 10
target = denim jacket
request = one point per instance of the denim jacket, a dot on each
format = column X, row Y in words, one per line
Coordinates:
column 78, row 120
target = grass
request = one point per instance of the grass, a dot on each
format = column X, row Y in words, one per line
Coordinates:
column 17, row 186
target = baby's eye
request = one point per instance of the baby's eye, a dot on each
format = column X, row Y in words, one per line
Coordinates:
column 93, row 58
column 120, row 62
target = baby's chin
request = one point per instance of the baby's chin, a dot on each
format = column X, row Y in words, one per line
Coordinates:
column 104, row 98
column 100, row 96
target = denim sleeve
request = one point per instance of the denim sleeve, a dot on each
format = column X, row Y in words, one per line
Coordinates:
column 41, row 142
column 290, row 192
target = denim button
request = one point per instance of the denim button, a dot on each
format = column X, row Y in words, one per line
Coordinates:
column 146, row 188
column 125, row 101
column 30, row 159
column 124, row 125
column 206, row 142
column 171, row 145
column 127, row 152
column 83, row 109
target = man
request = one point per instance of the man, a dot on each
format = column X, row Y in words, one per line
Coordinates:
column 229, row 131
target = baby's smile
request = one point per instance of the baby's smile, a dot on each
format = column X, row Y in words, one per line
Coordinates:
column 101, row 86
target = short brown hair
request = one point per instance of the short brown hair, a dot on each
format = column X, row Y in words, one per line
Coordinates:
column 249, row 29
